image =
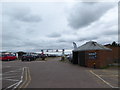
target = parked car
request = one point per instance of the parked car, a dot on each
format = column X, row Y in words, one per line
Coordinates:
column 28, row 57
column 70, row 57
column 35, row 56
column 43, row 56
column 7, row 57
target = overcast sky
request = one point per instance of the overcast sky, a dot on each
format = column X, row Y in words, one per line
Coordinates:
column 55, row 25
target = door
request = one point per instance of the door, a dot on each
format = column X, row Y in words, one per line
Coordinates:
column 81, row 58
column 75, row 58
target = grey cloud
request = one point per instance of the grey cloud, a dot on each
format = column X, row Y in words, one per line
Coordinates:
column 62, row 40
column 21, row 14
column 31, row 43
column 16, row 43
column 88, row 38
column 110, row 33
column 86, row 13
column 66, row 40
column 54, row 35
column 78, row 39
column 21, row 34
column 28, row 18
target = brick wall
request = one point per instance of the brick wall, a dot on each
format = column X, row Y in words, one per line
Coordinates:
column 115, row 53
column 103, row 58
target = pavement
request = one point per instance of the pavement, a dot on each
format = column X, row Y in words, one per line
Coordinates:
column 55, row 74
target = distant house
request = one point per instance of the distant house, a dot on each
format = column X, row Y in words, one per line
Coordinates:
column 92, row 54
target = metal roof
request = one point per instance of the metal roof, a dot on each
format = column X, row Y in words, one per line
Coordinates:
column 91, row 45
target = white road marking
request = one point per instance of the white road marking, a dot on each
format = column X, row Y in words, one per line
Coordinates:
column 15, row 85
column 9, row 74
column 17, row 70
column 10, row 66
column 103, row 80
column 11, row 86
column 21, row 79
column 11, row 79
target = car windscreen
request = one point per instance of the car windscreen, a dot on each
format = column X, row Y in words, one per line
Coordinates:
column 4, row 55
column 27, row 55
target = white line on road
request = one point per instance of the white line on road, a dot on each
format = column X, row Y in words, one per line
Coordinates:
column 103, row 80
column 21, row 79
column 11, row 86
column 9, row 74
column 17, row 70
column 18, row 83
column 9, row 66
column 11, row 79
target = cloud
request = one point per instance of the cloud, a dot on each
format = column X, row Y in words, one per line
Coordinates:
column 54, row 35
column 22, row 14
column 103, row 30
column 87, row 38
column 83, row 14
column 22, row 31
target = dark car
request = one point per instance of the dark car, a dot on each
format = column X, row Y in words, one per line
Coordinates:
column 35, row 56
column 27, row 57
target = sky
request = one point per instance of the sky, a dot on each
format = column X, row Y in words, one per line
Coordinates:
column 32, row 26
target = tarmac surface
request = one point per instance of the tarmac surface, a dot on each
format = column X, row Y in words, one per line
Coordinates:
column 53, row 73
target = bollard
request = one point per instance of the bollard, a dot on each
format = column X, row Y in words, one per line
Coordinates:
column 94, row 65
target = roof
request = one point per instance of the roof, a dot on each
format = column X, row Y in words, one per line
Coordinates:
column 91, row 45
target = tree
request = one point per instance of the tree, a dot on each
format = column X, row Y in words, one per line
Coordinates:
column 114, row 43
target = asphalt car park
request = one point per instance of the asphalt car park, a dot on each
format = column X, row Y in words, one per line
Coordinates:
column 108, row 76
column 52, row 73
column 0, row 79
column 11, row 76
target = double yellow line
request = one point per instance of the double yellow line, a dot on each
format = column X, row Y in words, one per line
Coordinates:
column 26, row 78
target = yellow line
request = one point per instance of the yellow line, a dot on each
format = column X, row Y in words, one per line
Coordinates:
column 29, row 78
column 25, row 79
